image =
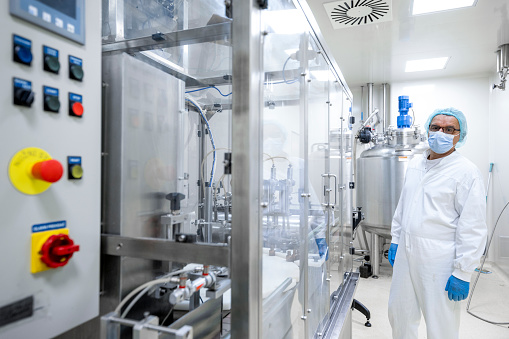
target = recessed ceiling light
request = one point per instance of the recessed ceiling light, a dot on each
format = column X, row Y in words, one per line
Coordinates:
column 430, row 6
column 426, row 64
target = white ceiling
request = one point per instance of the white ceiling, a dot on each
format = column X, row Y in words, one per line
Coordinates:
column 378, row 52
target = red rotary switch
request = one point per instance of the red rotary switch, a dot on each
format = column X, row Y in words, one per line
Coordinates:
column 48, row 170
column 57, row 250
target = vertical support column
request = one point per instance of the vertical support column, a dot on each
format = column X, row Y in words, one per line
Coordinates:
column 116, row 18
column 246, row 258
column 375, row 254
column 384, row 107
column 370, row 99
column 304, row 178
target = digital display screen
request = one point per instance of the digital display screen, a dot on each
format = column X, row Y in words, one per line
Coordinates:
column 67, row 7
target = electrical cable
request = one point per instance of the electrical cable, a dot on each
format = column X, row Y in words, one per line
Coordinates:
column 479, row 274
column 167, row 315
column 203, row 163
column 284, row 77
column 214, row 87
column 413, row 119
column 211, row 139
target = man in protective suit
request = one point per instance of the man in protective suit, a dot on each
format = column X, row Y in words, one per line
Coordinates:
column 438, row 233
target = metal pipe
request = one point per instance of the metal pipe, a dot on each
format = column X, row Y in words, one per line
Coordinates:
column 375, row 113
column 375, row 254
column 370, row 98
column 384, row 103
column 207, row 208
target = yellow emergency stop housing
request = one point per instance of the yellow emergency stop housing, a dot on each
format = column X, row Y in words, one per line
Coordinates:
column 38, row 239
column 19, row 170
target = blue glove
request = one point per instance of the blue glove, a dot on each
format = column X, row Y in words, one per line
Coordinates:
column 322, row 248
column 457, row 288
column 392, row 253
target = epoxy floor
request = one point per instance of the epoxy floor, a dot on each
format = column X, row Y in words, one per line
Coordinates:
column 490, row 300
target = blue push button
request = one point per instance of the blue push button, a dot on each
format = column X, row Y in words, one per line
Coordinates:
column 22, row 50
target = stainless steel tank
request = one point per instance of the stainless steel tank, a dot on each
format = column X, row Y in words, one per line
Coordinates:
column 381, row 174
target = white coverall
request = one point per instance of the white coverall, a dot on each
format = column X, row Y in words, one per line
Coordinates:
column 440, row 228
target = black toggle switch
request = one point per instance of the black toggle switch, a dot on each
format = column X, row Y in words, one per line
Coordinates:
column 23, row 97
column 22, row 92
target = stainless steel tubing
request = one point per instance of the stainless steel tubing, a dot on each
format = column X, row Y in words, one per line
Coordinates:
column 504, row 57
column 375, row 254
column 370, row 99
column 384, row 103
column 208, row 208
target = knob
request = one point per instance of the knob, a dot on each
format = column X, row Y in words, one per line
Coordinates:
column 76, row 72
column 51, row 64
column 51, row 103
column 48, row 170
column 58, row 250
column 22, row 55
column 174, row 199
column 23, row 97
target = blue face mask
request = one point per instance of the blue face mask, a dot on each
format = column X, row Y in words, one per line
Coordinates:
column 440, row 142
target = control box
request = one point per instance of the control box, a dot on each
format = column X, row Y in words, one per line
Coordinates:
column 50, row 161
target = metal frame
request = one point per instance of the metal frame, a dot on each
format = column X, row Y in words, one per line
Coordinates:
column 341, row 309
column 319, row 38
column 246, row 264
column 246, row 36
column 165, row 250
column 215, row 32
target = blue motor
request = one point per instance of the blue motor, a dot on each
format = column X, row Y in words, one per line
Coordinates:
column 404, row 120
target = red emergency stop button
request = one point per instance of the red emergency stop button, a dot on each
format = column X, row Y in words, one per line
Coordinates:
column 58, row 250
column 48, row 170
column 77, row 109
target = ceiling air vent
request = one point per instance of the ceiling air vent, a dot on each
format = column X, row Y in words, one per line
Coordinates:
column 351, row 13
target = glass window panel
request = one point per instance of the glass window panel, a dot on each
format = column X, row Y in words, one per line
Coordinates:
column 129, row 19
column 283, row 171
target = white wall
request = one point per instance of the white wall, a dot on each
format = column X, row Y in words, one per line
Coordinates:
column 469, row 95
column 499, row 187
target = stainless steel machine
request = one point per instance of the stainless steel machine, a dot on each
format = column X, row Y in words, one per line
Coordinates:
column 218, row 170
column 380, row 175
column 50, row 187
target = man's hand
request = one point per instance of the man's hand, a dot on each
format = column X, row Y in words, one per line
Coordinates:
column 457, row 288
column 392, row 253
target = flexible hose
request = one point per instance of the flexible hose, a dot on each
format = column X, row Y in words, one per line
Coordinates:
column 148, row 285
column 479, row 274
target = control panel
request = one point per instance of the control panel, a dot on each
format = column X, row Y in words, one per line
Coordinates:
column 51, row 160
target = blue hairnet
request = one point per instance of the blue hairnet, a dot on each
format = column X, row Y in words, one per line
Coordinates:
column 458, row 115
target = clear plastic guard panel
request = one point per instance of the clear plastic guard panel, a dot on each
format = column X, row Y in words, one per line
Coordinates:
column 130, row 19
column 347, row 142
column 283, row 169
column 321, row 190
